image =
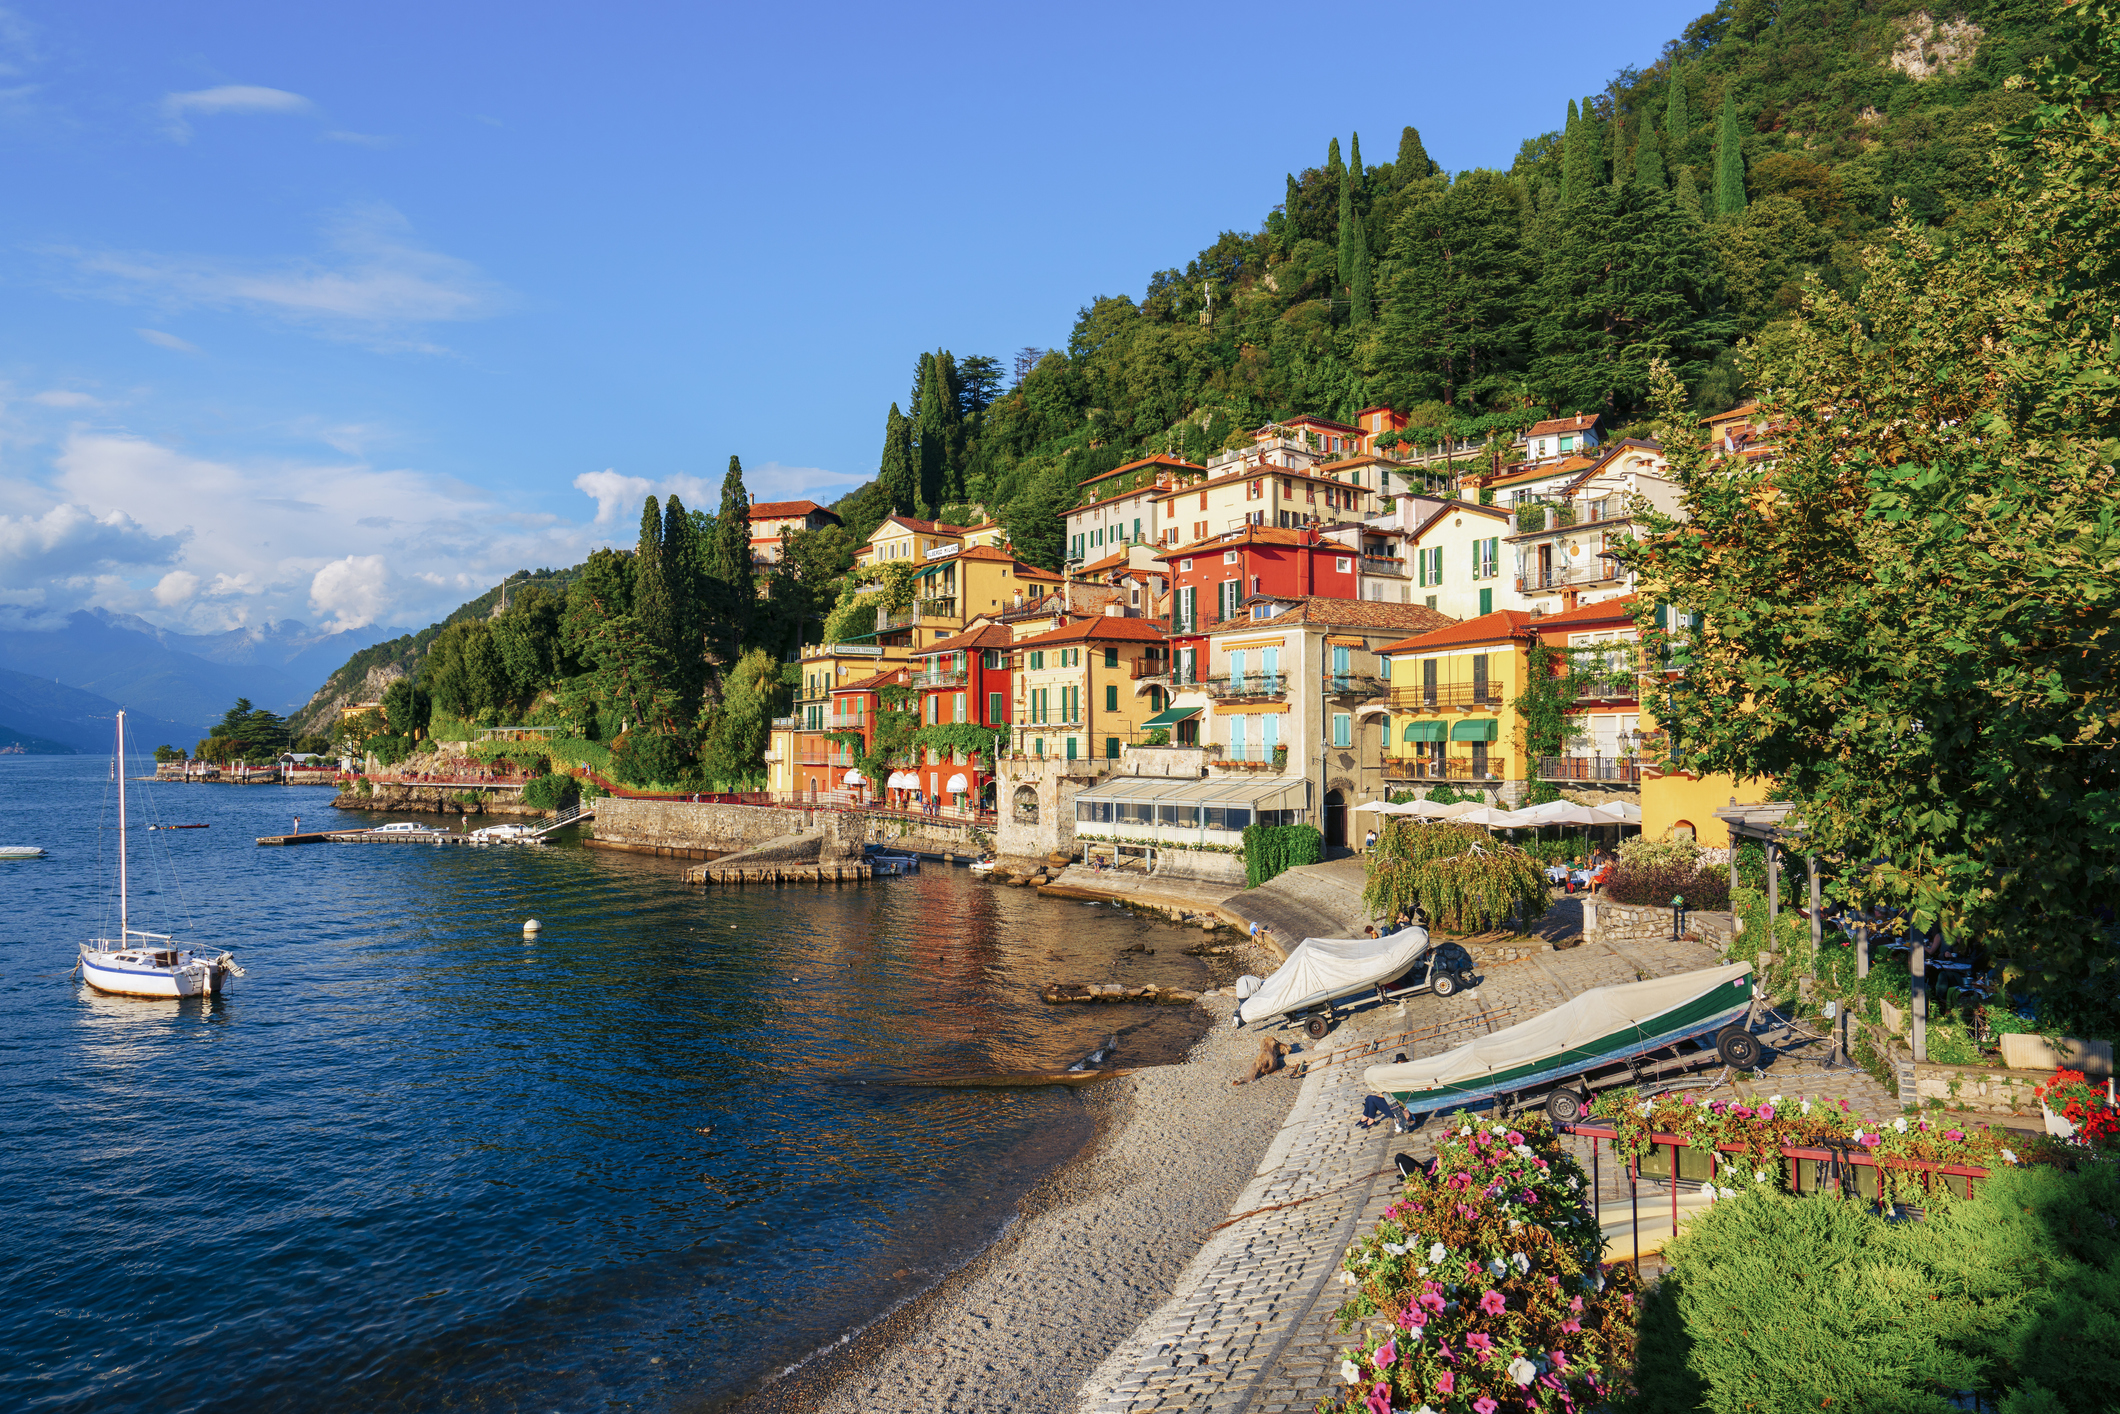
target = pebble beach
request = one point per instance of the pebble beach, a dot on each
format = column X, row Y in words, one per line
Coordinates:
column 1099, row 1245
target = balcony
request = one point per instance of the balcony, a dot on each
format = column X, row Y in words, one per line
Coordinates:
column 1354, row 685
column 941, row 607
column 1624, row 770
column 1447, row 697
column 1251, row 687
column 1141, row 668
column 946, row 678
column 1615, row 688
column 787, row 724
column 1541, row 516
column 1452, row 768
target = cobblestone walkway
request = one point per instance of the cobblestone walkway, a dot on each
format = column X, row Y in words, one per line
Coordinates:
column 1249, row 1330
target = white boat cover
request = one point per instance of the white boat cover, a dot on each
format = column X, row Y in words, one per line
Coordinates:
column 1332, row 967
column 1599, row 1012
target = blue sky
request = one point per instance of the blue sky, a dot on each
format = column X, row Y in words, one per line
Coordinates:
column 340, row 315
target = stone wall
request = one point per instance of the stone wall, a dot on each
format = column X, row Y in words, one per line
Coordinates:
column 1200, row 866
column 437, row 800
column 687, row 831
column 1054, row 784
column 1981, row 1089
column 1606, row 921
column 938, row 836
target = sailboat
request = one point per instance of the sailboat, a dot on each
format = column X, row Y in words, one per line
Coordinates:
column 143, row 964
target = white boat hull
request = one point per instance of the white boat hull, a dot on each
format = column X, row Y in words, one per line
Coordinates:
column 20, row 851
column 127, row 976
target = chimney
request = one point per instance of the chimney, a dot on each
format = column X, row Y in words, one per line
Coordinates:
column 754, row 498
column 1115, row 611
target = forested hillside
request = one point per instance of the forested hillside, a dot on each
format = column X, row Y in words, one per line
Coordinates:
column 1670, row 215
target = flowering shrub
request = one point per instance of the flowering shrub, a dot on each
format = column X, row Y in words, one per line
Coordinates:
column 2076, row 1100
column 1756, row 1134
column 1482, row 1288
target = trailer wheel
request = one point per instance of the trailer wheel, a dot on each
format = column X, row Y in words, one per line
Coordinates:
column 1565, row 1106
column 1737, row 1047
column 1317, row 1026
column 1445, row 984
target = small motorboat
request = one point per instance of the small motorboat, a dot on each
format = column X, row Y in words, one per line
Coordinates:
column 20, row 851
column 983, row 866
column 1322, row 972
column 505, row 834
column 407, row 827
column 1557, row 1051
column 138, row 963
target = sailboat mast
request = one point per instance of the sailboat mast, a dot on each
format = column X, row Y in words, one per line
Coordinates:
column 123, row 924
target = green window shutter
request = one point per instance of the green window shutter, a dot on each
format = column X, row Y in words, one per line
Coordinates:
column 1111, row 697
column 1111, row 748
column 1486, row 601
column 996, row 708
column 1111, row 657
column 1070, row 748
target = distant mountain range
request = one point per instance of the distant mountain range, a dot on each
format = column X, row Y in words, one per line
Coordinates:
column 37, row 708
column 183, row 681
column 14, row 743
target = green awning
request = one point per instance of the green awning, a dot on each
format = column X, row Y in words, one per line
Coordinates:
column 1170, row 717
column 1479, row 729
column 1424, row 731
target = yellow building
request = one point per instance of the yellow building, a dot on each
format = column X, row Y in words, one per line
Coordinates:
column 1074, row 686
column 904, row 538
column 1452, row 714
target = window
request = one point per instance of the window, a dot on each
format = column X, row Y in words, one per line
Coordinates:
column 1236, row 739
column 1038, row 747
column 993, row 658
column 1038, row 658
column 1428, row 686
column 1185, row 566
column 1111, row 657
column 1229, row 557
column 1342, row 729
column 1479, row 677
column 996, row 708
column 1486, row 601
column 1203, row 506
column 932, row 701
column 1188, row 608
column 1486, row 557
column 1252, row 492
column 1479, row 760
column 957, row 708
column 1070, row 748
column 1343, row 565
column 1567, row 444
column 1137, row 527
column 1111, row 748
column 1431, row 601
column 1431, row 565
column 1111, row 697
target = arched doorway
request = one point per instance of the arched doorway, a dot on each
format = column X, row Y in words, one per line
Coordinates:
column 1335, row 818
column 1027, row 805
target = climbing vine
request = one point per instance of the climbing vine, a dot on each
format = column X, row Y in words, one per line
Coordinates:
column 1274, row 849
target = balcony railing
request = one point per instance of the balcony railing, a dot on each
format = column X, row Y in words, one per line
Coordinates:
column 1354, row 684
column 1625, row 769
column 1148, row 668
column 1246, row 686
column 948, row 677
column 941, row 607
column 1447, row 697
column 1616, row 688
column 1544, row 515
column 787, row 724
column 1451, row 768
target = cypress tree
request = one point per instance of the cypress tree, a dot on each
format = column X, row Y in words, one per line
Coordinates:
column 1648, row 159
column 1686, row 193
column 689, row 605
column 1414, row 163
column 1354, row 161
column 1347, row 223
column 729, row 563
column 652, row 604
column 1571, row 152
column 1615, row 135
column 1729, row 162
column 1678, row 121
column 932, row 417
column 899, row 470
column 1358, row 280
column 1333, row 165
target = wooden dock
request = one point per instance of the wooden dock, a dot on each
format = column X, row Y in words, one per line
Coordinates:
column 306, row 837
column 737, row 876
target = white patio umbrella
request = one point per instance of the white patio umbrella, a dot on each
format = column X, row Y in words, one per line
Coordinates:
column 853, row 778
column 958, row 783
column 1572, row 815
column 1620, row 810
column 1382, row 807
column 1494, row 819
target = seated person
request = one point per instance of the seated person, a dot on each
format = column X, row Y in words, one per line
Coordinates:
column 1376, row 1108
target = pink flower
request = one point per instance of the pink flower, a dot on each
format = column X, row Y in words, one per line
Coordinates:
column 1685, row 1099
column 1571, row 1326
column 1442, row 1349
column 1844, row 1107
column 1576, row 1305
column 1484, row 1405
column 1954, row 1134
column 1493, row 1303
column 1559, row 1358
column 1515, row 1138
column 1870, row 1141
column 1766, row 1112
column 1458, row 1181
column 1445, row 1382
column 1415, row 1320
column 1472, row 1270
column 1379, row 1400
column 1431, row 1301
column 1479, row 1343
column 1386, row 1353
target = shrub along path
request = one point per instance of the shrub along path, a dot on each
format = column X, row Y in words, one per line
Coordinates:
column 1248, row 1329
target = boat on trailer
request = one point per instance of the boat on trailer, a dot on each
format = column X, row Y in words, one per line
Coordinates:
column 1320, row 973
column 138, row 963
column 1559, row 1052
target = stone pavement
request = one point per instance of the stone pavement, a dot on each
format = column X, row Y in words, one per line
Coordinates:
column 1250, row 1326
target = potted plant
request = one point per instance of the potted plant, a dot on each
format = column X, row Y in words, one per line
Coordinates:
column 1280, row 758
column 2077, row 1110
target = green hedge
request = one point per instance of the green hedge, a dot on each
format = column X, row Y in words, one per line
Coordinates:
column 551, row 792
column 1275, row 849
column 390, row 749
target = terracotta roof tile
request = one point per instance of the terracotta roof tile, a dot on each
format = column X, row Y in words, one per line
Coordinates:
column 1100, row 626
column 1502, row 623
column 787, row 510
column 1588, row 613
column 984, row 636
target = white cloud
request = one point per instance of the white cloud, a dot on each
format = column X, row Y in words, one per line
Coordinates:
column 354, row 591
column 618, row 498
column 371, row 283
column 774, row 482
column 63, row 398
column 178, row 108
column 69, row 542
column 360, row 139
column 176, row 587
column 162, row 340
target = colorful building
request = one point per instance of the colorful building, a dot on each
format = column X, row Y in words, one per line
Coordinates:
column 1457, row 564
column 1452, row 717
column 826, row 669
column 1597, row 652
column 965, row 681
column 1210, row 580
column 1075, row 685
column 1123, row 507
column 771, row 519
column 902, row 538
column 1562, row 541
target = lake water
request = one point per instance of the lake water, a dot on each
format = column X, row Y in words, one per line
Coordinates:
column 414, row 1162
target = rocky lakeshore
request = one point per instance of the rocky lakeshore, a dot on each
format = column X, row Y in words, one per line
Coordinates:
column 1099, row 1245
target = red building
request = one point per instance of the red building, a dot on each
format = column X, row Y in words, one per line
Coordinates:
column 1211, row 579
column 854, row 708
column 963, row 681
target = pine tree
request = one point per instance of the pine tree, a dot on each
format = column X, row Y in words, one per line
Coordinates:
column 1686, row 194
column 1648, row 159
column 652, row 605
column 1454, row 316
column 729, row 563
column 899, row 469
column 1678, row 121
column 1571, row 153
column 1729, row 162
column 1414, row 164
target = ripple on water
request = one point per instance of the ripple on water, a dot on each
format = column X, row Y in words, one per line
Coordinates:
column 414, row 1161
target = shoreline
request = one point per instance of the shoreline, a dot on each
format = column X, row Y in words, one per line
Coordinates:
column 1096, row 1247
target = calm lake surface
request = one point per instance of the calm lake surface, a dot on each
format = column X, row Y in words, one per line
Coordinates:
column 412, row 1162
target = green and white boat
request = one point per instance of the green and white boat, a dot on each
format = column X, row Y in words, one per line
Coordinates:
column 1559, row 1050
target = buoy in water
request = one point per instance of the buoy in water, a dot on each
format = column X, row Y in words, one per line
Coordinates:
column 532, row 928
